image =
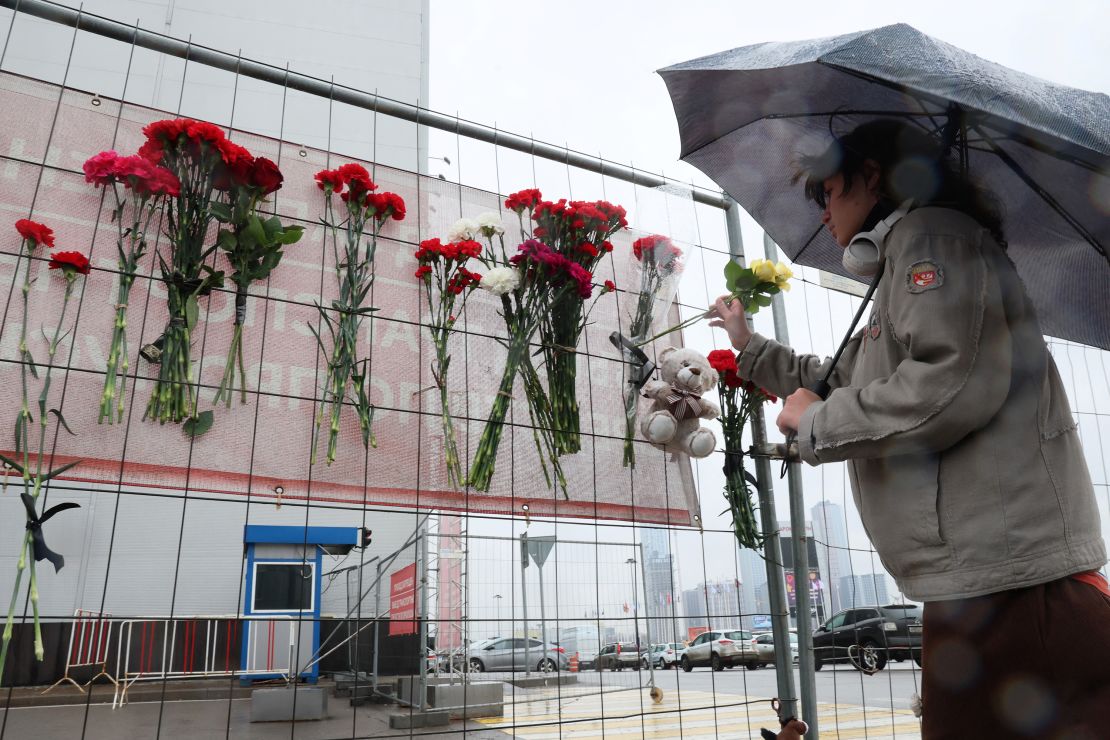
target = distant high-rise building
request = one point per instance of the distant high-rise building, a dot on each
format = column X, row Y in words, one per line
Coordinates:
column 833, row 556
column 714, row 605
column 753, row 574
column 659, row 584
column 864, row 590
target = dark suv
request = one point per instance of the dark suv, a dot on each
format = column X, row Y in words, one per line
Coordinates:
column 868, row 635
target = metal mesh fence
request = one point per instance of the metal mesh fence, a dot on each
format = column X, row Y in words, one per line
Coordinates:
column 639, row 557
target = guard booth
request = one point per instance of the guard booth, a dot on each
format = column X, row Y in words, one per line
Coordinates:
column 281, row 625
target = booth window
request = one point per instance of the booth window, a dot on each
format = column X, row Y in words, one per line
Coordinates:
column 285, row 587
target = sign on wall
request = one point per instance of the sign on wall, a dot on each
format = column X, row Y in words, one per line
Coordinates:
column 402, row 601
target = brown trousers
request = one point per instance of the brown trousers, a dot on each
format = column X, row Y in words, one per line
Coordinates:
column 1028, row 663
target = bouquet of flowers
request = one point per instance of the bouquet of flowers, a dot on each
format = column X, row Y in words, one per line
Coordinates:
column 531, row 284
column 444, row 275
column 576, row 236
column 354, row 273
column 144, row 187
column 252, row 244
column 753, row 286
column 739, row 399
column 32, row 547
column 659, row 263
column 197, row 153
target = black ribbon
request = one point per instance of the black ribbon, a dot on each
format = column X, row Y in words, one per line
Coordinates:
column 642, row 367
column 34, row 526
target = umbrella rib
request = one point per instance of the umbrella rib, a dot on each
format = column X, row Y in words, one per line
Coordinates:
column 1044, row 194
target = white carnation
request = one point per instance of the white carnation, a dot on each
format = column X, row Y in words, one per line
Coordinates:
column 464, row 228
column 500, row 280
column 490, row 224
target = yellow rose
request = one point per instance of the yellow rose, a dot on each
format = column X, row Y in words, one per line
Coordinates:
column 764, row 270
column 783, row 273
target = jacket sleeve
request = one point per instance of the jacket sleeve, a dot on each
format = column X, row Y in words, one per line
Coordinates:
column 777, row 368
column 956, row 372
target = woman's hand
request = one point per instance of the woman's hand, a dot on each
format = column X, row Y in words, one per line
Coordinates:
column 793, row 408
column 731, row 318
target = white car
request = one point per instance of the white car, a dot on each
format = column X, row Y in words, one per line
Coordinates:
column 764, row 645
column 720, row 649
column 666, row 655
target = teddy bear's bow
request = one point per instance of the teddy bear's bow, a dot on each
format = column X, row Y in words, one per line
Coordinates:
column 683, row 404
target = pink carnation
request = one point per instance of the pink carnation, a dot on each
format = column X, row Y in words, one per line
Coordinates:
column 100, row 169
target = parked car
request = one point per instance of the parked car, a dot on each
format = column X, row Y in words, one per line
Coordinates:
column 516, row 654
column 618, row 655
column 664, row 655
column 867, row 636
column 764, row 645
column 720, row 649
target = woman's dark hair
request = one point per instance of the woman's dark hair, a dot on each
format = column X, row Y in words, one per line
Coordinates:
column 912, row 164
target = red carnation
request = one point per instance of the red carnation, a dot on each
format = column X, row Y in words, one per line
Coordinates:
column 353, row 170
column 329, row 180
column 71, row 263
column 166, row 131
column 100, row 169
column 429, row 250
column 587, row 248
column 265, row 175
column 525, row 199
column 469, row 248
column 384, row 205
column 423, row 270
column 204, row 132
column 163, row 182
column 35, row 232
column 609, row 286
column 723, row 360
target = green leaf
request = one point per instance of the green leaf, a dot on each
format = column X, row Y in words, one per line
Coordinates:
column 220, row 211
column 226, row 240
column 58, row 471
column 12, row 464
column 42, row 396
column 192, row 311
column 291, row 235
column 62, row 420
column 762, row 300
column 272, row 227
column 733, row 270
column 255, row 230
column 30, row 363
column 19, row 431
column 746, row 280
column 197, row 425
column 366, row 310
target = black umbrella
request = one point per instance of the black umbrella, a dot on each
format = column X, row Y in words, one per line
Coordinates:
column 1043, row 149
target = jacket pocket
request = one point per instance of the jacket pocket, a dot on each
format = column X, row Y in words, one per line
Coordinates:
column 899, row 504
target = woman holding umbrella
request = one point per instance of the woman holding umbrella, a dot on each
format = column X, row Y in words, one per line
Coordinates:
column 964, row 457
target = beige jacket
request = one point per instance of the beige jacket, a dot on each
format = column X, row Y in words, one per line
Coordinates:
column 964, row 458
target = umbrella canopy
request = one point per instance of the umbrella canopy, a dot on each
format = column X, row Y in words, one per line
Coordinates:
column 1042, row 149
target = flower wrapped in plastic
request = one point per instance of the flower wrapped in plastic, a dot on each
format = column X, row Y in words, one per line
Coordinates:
column 659, row 264
column 753, row 286
column 447, row 285
column 196, row 153
column 739, row 400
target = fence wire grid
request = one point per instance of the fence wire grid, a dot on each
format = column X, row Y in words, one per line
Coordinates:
column 154, row 600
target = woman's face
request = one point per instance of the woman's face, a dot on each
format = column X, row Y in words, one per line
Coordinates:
column 845, row 212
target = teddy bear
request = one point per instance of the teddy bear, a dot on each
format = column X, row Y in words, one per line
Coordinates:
column 673, row 422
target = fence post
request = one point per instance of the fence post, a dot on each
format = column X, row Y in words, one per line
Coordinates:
column 807, row 681
column 772, row 549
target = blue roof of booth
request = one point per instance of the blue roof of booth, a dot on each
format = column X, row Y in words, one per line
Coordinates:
column 264, row 533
